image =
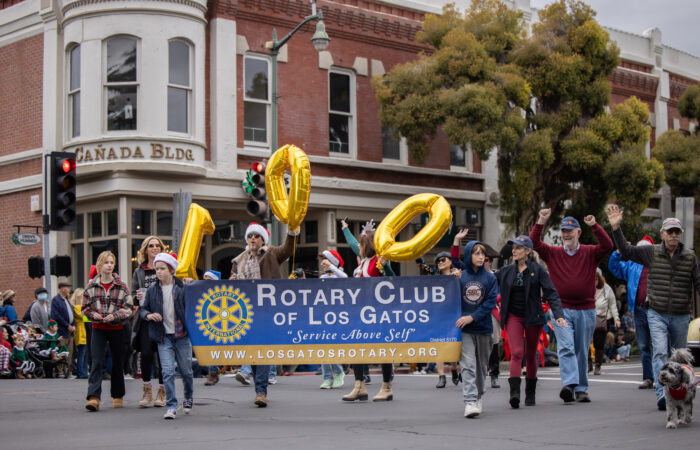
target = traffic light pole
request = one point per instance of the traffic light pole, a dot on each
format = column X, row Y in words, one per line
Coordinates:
column 47, row 246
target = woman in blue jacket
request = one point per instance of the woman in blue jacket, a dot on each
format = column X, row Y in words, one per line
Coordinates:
column 164, row 309
column 523, row 285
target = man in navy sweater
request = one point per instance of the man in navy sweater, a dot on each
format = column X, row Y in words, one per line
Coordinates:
column 62, row 313
column 572, row 268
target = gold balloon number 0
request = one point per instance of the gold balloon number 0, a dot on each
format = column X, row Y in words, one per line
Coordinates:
column 289, row 208
column 440, row 219
column 198, row 224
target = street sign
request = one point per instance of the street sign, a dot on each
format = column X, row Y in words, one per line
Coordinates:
column 26, row 238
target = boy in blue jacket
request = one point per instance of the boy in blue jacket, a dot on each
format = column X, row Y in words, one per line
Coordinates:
column 479, row 290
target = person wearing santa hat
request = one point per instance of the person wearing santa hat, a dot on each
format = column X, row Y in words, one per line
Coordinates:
column 331, row 266
column 261, row 261
column 164, row 310
column 636, row 276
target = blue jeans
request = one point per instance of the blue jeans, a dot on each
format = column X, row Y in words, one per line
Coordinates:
column 624, row 350
column 261, row 375
column 170, row 351
column 665, row 328
column 573, row 343
column 330, row 370
column 641, row 331
column 249, row 370
column 81, row 361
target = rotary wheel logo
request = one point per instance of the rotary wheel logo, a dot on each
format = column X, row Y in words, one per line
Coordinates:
column 224, row 314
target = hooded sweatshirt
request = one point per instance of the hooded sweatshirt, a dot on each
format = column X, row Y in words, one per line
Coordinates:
column 479, row 291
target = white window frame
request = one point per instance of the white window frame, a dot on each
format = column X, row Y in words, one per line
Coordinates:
column 352, row 127
column 70, row 112
column 188, row 89
column 403, row 152
column 468, row 160
column 106, row 85
column 268, row 102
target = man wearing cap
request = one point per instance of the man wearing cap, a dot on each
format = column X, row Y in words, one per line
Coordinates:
column 40, row 311
column 62, row 313
column 673, row 270
column 260, row 261
column 572, row 268
column 637, row 303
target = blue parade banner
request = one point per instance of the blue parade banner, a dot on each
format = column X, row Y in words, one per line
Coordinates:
column 329, row 320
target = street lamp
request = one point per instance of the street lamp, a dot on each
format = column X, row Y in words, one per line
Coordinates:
column 320, row 40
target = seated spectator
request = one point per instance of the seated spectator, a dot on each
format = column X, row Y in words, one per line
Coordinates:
column 7, row 311
column 52, row 345
column 623, row 347
column 20, row 358
column 5, row 354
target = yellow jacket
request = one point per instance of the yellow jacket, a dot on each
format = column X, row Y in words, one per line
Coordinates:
column 80, row 337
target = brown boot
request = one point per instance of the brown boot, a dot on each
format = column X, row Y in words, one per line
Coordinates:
column 359, row 392
column 212, row 377
column 20, row 375
column 160, row 397
column 147, row 397
column 384, row 394
column 260, row 400
column 118, row 402
column 93, row 404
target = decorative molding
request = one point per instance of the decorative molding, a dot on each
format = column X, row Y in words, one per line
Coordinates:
column 27, row 155
column 360, row 66
column 325, row 60
column 82, row 3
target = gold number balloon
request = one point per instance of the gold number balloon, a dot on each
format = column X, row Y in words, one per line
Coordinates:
column 198, row 224
column 440, row 218
column 289, row 209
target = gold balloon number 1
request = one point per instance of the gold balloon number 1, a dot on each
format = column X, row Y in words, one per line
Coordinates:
column 198, row 224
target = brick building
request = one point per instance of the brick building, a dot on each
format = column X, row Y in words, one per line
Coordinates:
column 155, row 96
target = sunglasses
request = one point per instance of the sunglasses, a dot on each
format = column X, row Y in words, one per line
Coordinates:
column 674, row 231
column 441, row 260
column 254, row 236
column 519, row 279
column 153, row 245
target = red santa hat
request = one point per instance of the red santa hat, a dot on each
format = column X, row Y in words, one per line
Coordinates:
column 334, row 257
column 168, row 258
column 646, row 240
column 258, row 229
column 93, row 272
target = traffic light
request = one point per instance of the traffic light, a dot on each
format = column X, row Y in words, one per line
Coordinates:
column 60, row 266
column 36, row 267
column 62, row 212
column 254, row 185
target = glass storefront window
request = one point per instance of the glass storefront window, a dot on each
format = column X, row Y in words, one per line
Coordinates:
column 112, row 222
column 77, row 265
column 79, row 227
column 164, row 223
column 95, row 224
column 141, row 221
column 100, row 246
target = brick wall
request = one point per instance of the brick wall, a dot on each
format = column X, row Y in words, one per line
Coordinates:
column 21, row 70
column 14, row 273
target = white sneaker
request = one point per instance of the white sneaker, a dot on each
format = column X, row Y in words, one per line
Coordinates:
column 479, row 406
column 327, row 384
column 272, row 380
column 471, row 410
column 338, row 380
column 187, row 405
column 170, row 414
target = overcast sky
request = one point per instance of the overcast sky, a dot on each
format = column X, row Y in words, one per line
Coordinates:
column 678, row 20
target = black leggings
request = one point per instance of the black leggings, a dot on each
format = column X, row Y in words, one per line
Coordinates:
column 359, row 369
column 599, row 336
column 149, row 355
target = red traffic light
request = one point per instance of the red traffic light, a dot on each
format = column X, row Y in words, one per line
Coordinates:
column 258, row 167
column 68, row 165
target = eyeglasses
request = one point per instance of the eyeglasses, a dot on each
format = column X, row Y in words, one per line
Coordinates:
column 441, row 260
column 153, row 245
column 254, row 236
column 519, row 279
column 674, row 231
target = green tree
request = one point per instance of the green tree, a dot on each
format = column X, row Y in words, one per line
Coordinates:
column 539, row 99
column 680, row 156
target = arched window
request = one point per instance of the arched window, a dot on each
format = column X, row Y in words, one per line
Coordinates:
column 74, row 91
column 179, row 86
column 121, row 83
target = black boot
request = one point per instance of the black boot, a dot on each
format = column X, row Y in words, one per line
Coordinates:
column 455, row 377
column 442, row 381
column 530, row 387
column 514, row 391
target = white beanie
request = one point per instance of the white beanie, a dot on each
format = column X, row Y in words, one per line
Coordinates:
column 256, row 228
column 167, row 258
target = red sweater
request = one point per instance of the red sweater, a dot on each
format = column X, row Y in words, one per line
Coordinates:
column 573, row 276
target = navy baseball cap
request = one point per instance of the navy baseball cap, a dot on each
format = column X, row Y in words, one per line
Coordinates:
column 523, row 240
column 569, row 223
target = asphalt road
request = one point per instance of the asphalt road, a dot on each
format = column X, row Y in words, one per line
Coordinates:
column 47, row 414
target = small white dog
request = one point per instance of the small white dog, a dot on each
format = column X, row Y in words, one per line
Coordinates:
column 678, row 379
